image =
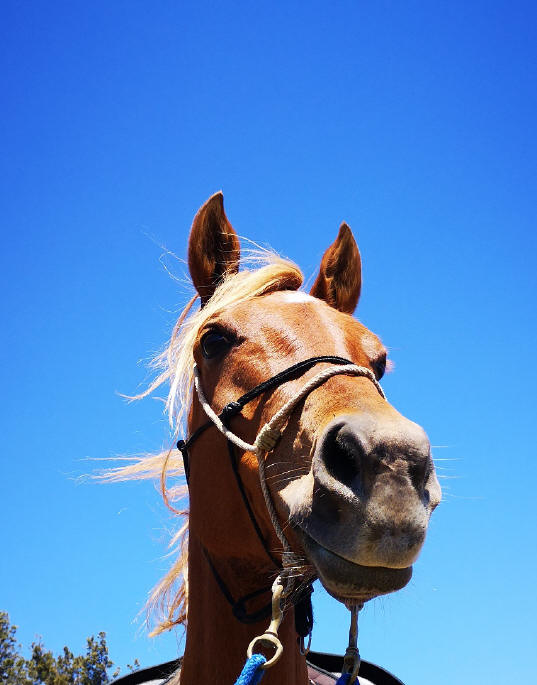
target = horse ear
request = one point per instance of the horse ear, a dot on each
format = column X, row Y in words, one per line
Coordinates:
column 340, row 277
column 213, row 247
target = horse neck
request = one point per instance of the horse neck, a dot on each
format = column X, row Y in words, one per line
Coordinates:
column 216, row 641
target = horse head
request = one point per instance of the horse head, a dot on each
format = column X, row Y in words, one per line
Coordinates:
column 295, row 458
column 352, row 480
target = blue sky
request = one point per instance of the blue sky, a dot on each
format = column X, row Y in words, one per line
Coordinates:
column 415, row 123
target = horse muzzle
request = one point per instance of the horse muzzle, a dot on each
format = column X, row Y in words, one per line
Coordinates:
column 374, row 488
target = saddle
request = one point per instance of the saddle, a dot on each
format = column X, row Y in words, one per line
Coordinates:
column 323, row 669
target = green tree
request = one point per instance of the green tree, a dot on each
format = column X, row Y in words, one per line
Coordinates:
column 13, row 670
column 43, row 668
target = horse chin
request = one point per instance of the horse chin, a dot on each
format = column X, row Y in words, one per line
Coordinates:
column 349, row 582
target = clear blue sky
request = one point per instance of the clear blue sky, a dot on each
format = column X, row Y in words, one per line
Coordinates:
column 416, row 123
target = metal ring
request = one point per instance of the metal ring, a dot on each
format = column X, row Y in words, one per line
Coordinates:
column 267, row 639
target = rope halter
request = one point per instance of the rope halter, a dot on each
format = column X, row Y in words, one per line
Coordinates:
column 265, row 441
column 270, row 433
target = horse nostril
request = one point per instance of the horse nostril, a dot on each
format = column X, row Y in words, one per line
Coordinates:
column 367, row 456
column 417, row 451
column 419, row 470
column 342, row 453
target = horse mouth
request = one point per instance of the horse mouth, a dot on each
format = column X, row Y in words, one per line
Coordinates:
column 349, row 582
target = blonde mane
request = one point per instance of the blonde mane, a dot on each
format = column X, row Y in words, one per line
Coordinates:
column 168, row 601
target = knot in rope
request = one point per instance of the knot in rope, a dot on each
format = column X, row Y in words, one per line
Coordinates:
column 230, row 410
column 267, row 438
column 292, row 561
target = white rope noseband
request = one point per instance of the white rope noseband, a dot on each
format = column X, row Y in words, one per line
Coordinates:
column 271, row 432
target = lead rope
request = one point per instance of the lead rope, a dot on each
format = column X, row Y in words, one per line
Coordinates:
column 351, row 660
column 265, row 441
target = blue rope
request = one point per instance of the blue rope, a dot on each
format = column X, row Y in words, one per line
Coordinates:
column 252, row 672
column 344, row 679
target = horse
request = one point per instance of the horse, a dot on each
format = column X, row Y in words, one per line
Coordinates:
column 297, row 465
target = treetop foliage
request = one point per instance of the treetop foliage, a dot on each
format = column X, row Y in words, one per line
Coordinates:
column 43, row 668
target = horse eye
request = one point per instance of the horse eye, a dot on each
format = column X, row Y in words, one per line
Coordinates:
column 379, row 367
column 214, row 343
